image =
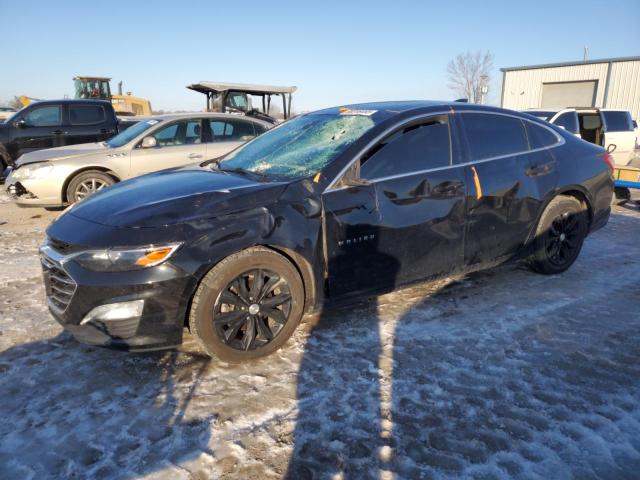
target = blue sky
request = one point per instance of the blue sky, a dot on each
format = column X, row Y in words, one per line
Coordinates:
column 335, row 51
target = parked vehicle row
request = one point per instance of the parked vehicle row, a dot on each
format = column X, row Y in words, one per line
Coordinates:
column 64, row 175
column 56, row 123
column 336, row 203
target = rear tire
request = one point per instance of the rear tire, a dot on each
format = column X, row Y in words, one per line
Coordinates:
column 621, row 195
column 559, row 237
column 86, row 183
column 247, row 306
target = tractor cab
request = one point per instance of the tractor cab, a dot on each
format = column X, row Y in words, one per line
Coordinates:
column 92, row 87
column 243, row 99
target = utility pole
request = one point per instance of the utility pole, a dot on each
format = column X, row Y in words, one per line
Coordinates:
column 585, row 53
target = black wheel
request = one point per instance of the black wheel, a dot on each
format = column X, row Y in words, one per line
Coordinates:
column 560, row 234
column 621, row 195
column 87, row 183
column 247, row 306
column 4, row 159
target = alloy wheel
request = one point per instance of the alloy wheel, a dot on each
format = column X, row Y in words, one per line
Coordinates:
column 563, row 238
column 88, row 187
column 252, row 309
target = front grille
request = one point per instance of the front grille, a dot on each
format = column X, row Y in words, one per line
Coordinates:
column 59, row 286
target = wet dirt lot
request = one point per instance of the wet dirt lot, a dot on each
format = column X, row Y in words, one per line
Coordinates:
column 499, row 374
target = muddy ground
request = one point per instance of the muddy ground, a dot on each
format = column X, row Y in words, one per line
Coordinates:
column 499, row 374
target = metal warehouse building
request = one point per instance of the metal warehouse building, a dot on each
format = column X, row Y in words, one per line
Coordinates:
column 606, row 83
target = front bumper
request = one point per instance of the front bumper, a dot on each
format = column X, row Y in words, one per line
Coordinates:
column 73, row 292
column 34, row 192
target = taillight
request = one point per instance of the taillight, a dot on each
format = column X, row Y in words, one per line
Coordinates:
column 608, row 159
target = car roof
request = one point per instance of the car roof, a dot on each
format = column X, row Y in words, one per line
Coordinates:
column 393, row 108
column 71, row 100
column 228, row 116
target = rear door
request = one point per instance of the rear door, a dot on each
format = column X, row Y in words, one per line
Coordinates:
column 87, row 123
column 502, row 203
column 225, row 135
column 405, row 220
column 178, row 143
column 618, row 131
column 42, row 128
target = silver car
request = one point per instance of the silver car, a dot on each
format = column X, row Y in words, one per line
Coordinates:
column 62, row 176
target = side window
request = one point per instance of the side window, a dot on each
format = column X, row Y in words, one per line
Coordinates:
column 618, row 121
column 193, row 132
column 539, row 137
column 231, row 130
column 489, row 135
column 569, row 121
column 86, row 114
column 241, row 131
column 411, row 149
column 45, row 116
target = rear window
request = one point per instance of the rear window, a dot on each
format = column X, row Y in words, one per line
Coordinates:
column 490, row 135
column 539, row 137
column 86, row 114
column 618, row 121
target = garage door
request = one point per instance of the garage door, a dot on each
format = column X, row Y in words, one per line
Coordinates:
column 569, row 94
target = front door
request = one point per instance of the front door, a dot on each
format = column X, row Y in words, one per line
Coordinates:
column 398, row 216
column 177, row 144
column 42, row 127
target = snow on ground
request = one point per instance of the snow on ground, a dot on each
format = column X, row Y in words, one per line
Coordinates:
column 499, row 374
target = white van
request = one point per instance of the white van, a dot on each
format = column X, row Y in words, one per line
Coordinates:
column 602, row 126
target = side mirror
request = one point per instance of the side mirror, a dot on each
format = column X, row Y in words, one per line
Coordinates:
column 20, row 123
column 611, row 148
column 149, row 142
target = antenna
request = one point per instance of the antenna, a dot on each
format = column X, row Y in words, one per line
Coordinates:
column 585, row 53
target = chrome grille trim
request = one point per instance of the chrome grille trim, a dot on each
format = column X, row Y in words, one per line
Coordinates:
column 61, row 287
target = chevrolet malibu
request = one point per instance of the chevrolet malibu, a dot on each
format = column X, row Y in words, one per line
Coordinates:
column 64, row 175
column 332, row 204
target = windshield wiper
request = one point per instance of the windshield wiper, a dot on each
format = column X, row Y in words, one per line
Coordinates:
column 216, row 164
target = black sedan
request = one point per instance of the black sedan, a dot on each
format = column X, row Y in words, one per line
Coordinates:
column 332, row 204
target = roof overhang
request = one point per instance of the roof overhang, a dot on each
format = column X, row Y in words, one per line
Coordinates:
column 572, row 64
column 216, row 87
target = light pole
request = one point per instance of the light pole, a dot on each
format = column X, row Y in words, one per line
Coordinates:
column 484, row 88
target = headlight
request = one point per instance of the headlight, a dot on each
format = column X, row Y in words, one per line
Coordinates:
column 122, row 260
column 35, row 170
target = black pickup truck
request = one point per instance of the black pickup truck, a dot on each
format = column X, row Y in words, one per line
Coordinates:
column 55, row 123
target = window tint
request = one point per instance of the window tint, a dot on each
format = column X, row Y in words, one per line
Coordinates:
column 412, row 149
column 231, row 130
column 569, row 121
column 618, row 121
column 44, row 116
column 179, row 133
column 539, row 137
column 493, row 135
column 86, row 114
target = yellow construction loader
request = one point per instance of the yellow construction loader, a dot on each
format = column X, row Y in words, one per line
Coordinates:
column 99, row 88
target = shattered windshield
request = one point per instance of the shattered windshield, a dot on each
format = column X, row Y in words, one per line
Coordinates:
column 300, row 147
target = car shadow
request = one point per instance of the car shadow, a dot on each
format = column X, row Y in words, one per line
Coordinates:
column 101, row 414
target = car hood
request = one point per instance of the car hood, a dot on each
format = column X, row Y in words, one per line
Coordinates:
column 62, row 153
column 175, row 196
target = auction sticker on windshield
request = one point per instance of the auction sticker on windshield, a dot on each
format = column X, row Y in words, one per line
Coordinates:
column 348, row 111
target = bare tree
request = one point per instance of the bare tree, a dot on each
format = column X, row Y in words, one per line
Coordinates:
column 468, row 73
column 16, row 103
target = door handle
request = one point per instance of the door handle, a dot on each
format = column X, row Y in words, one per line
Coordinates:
column 59, row 132
column 194, row 155
column 105, row 130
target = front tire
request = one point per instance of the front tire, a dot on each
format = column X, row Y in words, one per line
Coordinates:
column 560, row 234
column 247, row 306
column 87, row 183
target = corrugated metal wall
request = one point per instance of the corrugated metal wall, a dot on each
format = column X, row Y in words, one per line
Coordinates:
column 523, row 88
